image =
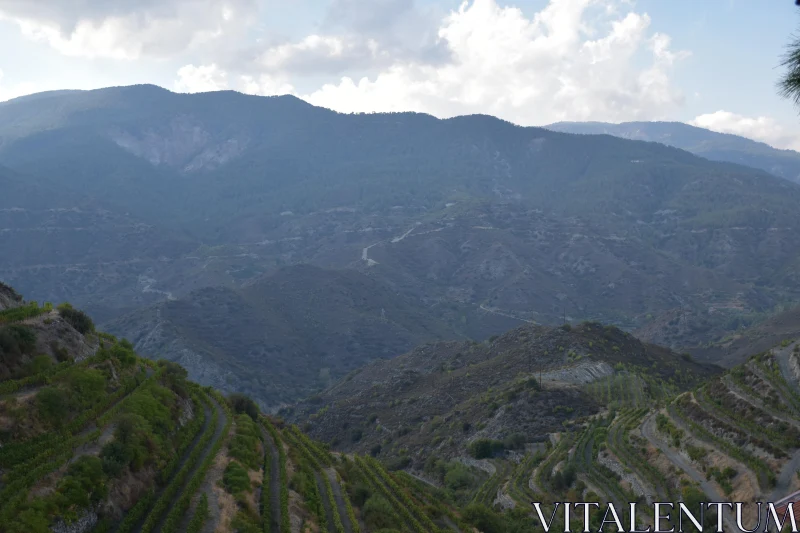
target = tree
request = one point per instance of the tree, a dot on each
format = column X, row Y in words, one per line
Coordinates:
column 789, row 84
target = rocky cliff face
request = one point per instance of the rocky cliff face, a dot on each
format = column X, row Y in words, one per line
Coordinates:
column 8, row 297
column 184, row 143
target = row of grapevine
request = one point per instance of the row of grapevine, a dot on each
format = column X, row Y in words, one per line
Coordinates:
column 718, row 410
column 135, row 515
column 488, row 491
column 307, row 463
column 520, row 490
column 177, row 512
column 22, row 455
column 766, row 477
column 46, row 377
column 559, row 453
column 42, row 378
column 59, row 450
column 436, row 499
column 163, row 501
column 16, row 492
column 384, row 477
column 351, row 514
column 377, row 486
column 777, row 380
column 323, row 456
column 266, row 507
column 619, row 444
column 284, row 481
column 200, row 516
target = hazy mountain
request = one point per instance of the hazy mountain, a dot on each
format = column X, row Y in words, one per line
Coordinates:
column 705, row 143
column 286, row 335
column 166, row 193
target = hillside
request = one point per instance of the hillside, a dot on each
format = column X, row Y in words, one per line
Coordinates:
column 96, row 439
column 705, row 143
column 286, row 335
column 450, row 437
column 737, row 346
column 183, row 191
column 580, row 414
column 530, row 381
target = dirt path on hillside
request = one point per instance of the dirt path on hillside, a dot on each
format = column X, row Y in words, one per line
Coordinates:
column 743, row 395
column 649, row 432
column 186, row 453
column 784, row 481
column 213, row 477
column 222, row 421
column 326, row 503
column 782, row 357
column 482, row 307
column 339, row 499
column 274, row 483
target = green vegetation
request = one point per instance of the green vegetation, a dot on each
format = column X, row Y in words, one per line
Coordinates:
column 200, row 516
column 24, row 312
column 285, row 525
column 76, row 318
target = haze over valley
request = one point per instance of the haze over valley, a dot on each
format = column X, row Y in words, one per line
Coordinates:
column 396, row 267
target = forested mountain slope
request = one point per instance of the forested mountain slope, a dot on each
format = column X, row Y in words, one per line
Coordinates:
column 127, row 197
column 288, row 334
column 705, row 143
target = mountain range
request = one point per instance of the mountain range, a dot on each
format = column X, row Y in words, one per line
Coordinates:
column 137, row 204
column 705, row 143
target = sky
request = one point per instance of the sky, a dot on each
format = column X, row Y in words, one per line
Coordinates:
column 710, row 63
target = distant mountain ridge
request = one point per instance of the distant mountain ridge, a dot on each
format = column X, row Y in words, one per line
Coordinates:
column 490, row 223
column 709, row 144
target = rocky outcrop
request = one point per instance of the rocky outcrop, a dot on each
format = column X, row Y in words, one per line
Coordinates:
column 582, row 373
column 8, row 297
column 83, row 524
column 185, row 143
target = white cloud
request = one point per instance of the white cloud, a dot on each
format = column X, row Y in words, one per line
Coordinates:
column 319, row 54
column 764, row 129
column 266, row 85
column 561, row 64
column 127, row 29
column 13, row 91
column 205, row 78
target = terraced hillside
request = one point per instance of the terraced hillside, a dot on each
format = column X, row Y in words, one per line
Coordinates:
column 493, row 434
column 94, row 438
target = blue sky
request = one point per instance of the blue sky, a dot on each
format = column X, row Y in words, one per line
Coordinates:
column 713, row 63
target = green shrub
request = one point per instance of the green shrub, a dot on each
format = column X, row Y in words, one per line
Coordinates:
column 484, row 448
column 235, row 478
column 52, row 405
column 379, row 514
column 245, row 445
column 242, row 404
column 458, row 477
column 77, row 319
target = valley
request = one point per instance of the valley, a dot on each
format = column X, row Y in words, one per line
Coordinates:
column 390, row 322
